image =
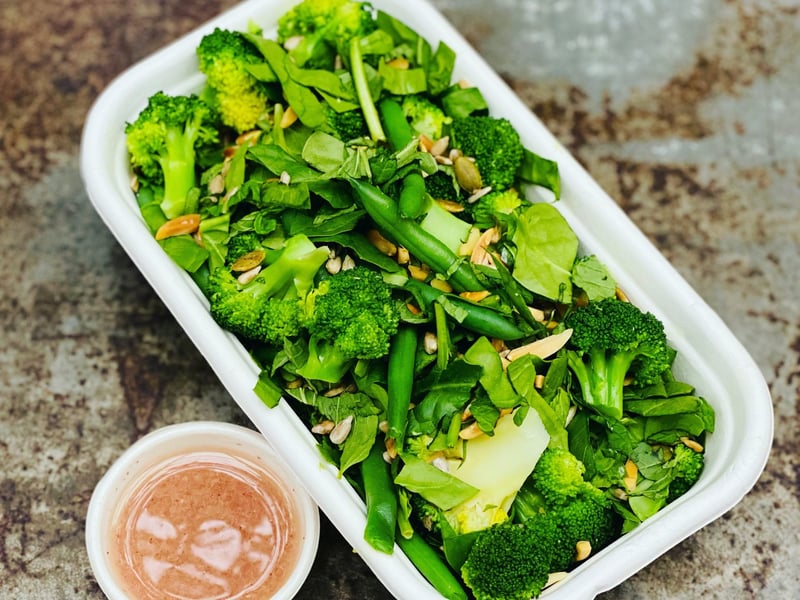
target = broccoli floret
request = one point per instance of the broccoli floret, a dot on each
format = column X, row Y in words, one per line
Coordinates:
column 240, row 98
column 268, row 308
column 325, row 28
column 442, row 185
column 494, row 144
column 355, row 310
column 558, row 477
column 557, row 493
column 347, row 125
column 162, row 143
column 612, row 340
column 349, row 315
column 509, row 561
column 687, row 466
column 425, row 117
column 240, row 244
column 495, row 208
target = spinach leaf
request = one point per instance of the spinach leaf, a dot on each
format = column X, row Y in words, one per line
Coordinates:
column 546, row 250
column 436, row 486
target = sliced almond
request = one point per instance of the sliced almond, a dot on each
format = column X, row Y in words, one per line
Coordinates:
column 542, row 348
column 288, row 118
column 178, row 226
column 475, row 296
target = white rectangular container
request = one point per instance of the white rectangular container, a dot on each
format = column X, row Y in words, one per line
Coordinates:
column 709, row 354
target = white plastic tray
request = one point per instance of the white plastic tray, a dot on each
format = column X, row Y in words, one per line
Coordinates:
column 710, row 356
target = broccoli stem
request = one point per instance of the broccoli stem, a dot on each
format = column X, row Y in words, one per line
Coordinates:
column 359, row 73
column 178, row 165
column 602, row 379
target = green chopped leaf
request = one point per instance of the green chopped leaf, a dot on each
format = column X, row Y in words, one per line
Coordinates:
column 436, row 486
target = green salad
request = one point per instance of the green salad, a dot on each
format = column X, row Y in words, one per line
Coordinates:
column 365, row 226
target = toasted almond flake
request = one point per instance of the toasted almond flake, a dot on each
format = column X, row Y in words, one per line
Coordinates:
column 413, row 309
column 425, row 143
column 542, row 348
column 479, row 255
column 620, row 494
column 538, row 314
column 248, row 137
column 323, row 427
column 248, row 261
column 333, row 265
column 538, row 381
column 470, row 432
column 391, row 448
column 134, row 183
column 335, row 391
column 476, row 296
column 402, row 257
column 285, row 178
column 451, row 206
column 620, row 295
column 464, row 84
column 381, row 243
column 443, row 160
column 441, row 285
column 582, row 550
column 248, row 276
column 631, row 475
column 468, row 246
column 417, row 273
column 692, row 444
column 178, row 226
column 288, row 118
column 348, row 263
column 439, row 147
column 383, row 426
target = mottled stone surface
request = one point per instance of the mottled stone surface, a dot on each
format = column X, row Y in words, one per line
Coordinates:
column 684, row 111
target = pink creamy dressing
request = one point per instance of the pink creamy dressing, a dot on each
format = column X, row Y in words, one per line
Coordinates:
column 207, row 526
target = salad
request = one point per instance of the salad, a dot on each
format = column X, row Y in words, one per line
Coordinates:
column 394, row 260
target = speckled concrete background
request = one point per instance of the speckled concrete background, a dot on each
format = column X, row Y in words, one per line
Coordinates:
column 685, row 112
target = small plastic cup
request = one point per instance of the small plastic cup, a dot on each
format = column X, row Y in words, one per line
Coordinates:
column 139, row 462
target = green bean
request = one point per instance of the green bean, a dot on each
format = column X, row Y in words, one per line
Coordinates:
column 381, row 500
column 432, row 567
column 479, row 319
column 407, row 232
column 400, row 380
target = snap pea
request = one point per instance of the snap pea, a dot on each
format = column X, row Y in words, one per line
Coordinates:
column 412, row 200
column 425, row 247
column 479, row 319
column 400, row 380
column 381, row 500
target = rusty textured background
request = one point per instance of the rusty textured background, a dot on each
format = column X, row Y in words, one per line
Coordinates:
column 685, row 111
